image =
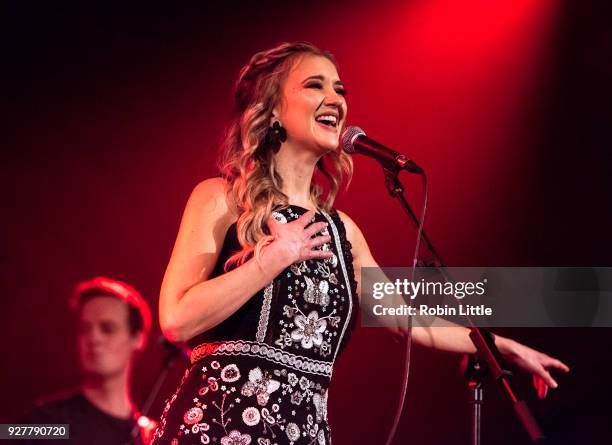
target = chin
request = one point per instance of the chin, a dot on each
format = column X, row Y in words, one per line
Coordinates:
column 327, row 146
column 101, row 372
column 95, row 367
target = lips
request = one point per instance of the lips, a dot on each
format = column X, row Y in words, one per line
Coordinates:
column 329, row 118
column 327, row 127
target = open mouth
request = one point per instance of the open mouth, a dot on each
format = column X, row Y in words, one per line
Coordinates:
column 328, row 120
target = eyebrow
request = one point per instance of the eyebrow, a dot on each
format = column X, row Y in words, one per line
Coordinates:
column 321, row 77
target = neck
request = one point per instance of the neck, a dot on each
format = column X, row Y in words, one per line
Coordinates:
column 296, row 167
column 110, row 394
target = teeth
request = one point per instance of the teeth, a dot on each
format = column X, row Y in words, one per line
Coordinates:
column 327, row 119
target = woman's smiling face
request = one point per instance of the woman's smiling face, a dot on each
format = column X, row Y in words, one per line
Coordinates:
column 312, row 107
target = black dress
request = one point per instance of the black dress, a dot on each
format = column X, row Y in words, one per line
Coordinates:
column 261, row 377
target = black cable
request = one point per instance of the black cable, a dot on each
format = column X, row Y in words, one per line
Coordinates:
column 408, row 342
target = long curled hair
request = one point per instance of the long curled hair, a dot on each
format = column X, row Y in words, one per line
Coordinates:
column 247, row 160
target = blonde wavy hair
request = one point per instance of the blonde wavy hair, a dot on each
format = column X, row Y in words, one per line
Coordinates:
column 247, row 161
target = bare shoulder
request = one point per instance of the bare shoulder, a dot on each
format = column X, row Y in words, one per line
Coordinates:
column 211, row 190
column 200, row 237
column 209, row 199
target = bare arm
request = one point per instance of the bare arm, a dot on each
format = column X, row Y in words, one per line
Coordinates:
column 191, row 303
column 452, row 337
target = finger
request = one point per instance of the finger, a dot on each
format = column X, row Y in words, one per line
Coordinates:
column 545, row 375
column 319, row 254
column 272, row 225
column 317, row 241
column 315, row 228
column 554, row 363
column 549, row 362
column 305, row 218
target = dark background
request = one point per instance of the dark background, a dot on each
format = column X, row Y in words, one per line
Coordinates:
column 113, row 113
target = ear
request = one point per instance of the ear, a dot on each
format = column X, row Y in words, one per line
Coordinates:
column 139, row 341
column 276, row 112
column 274, row 116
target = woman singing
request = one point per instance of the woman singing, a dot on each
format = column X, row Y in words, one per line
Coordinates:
column 263, row 282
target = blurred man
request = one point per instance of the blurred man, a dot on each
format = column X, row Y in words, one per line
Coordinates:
column 113, row 325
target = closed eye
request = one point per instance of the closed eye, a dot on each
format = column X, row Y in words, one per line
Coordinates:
column 319, row 86
column 315, row 85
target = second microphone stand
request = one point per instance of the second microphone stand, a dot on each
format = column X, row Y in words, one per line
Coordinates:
column 488, row 355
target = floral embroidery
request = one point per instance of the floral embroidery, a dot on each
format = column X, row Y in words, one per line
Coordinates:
column 324, row 270
column 289, row 311
column 309, row 330
column 260, row 386
column 236, row 438
column 293, row 431
column 316, row 291
column 325, row 348
column 313, row 430
column 212, row 383
column 296, row 398
column 321, row 437
column 230, row 373
column 298, row 268
column 194, row 415
column 292, row 379
column 251, row 416
column 320, row 402
column 315, row 301
column 304, row 383
column 333, row 261
column 267, row 416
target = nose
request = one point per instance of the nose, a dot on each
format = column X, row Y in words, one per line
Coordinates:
column 332, row 98
column 92, row 336
column 335, row 100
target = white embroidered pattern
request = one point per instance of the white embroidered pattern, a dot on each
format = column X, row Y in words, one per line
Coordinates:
column 264, row 316
column 346, row 279
column 316, row 303
column 258, row 349
column 227, row 414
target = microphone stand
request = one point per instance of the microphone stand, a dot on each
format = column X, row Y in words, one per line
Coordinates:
column 487, row 353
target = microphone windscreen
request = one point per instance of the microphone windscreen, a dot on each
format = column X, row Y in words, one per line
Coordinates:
column 348, row 137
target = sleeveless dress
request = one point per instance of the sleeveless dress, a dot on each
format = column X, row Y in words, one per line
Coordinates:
column 261, row 377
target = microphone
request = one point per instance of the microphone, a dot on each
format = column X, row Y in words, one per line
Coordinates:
column 354, row 140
